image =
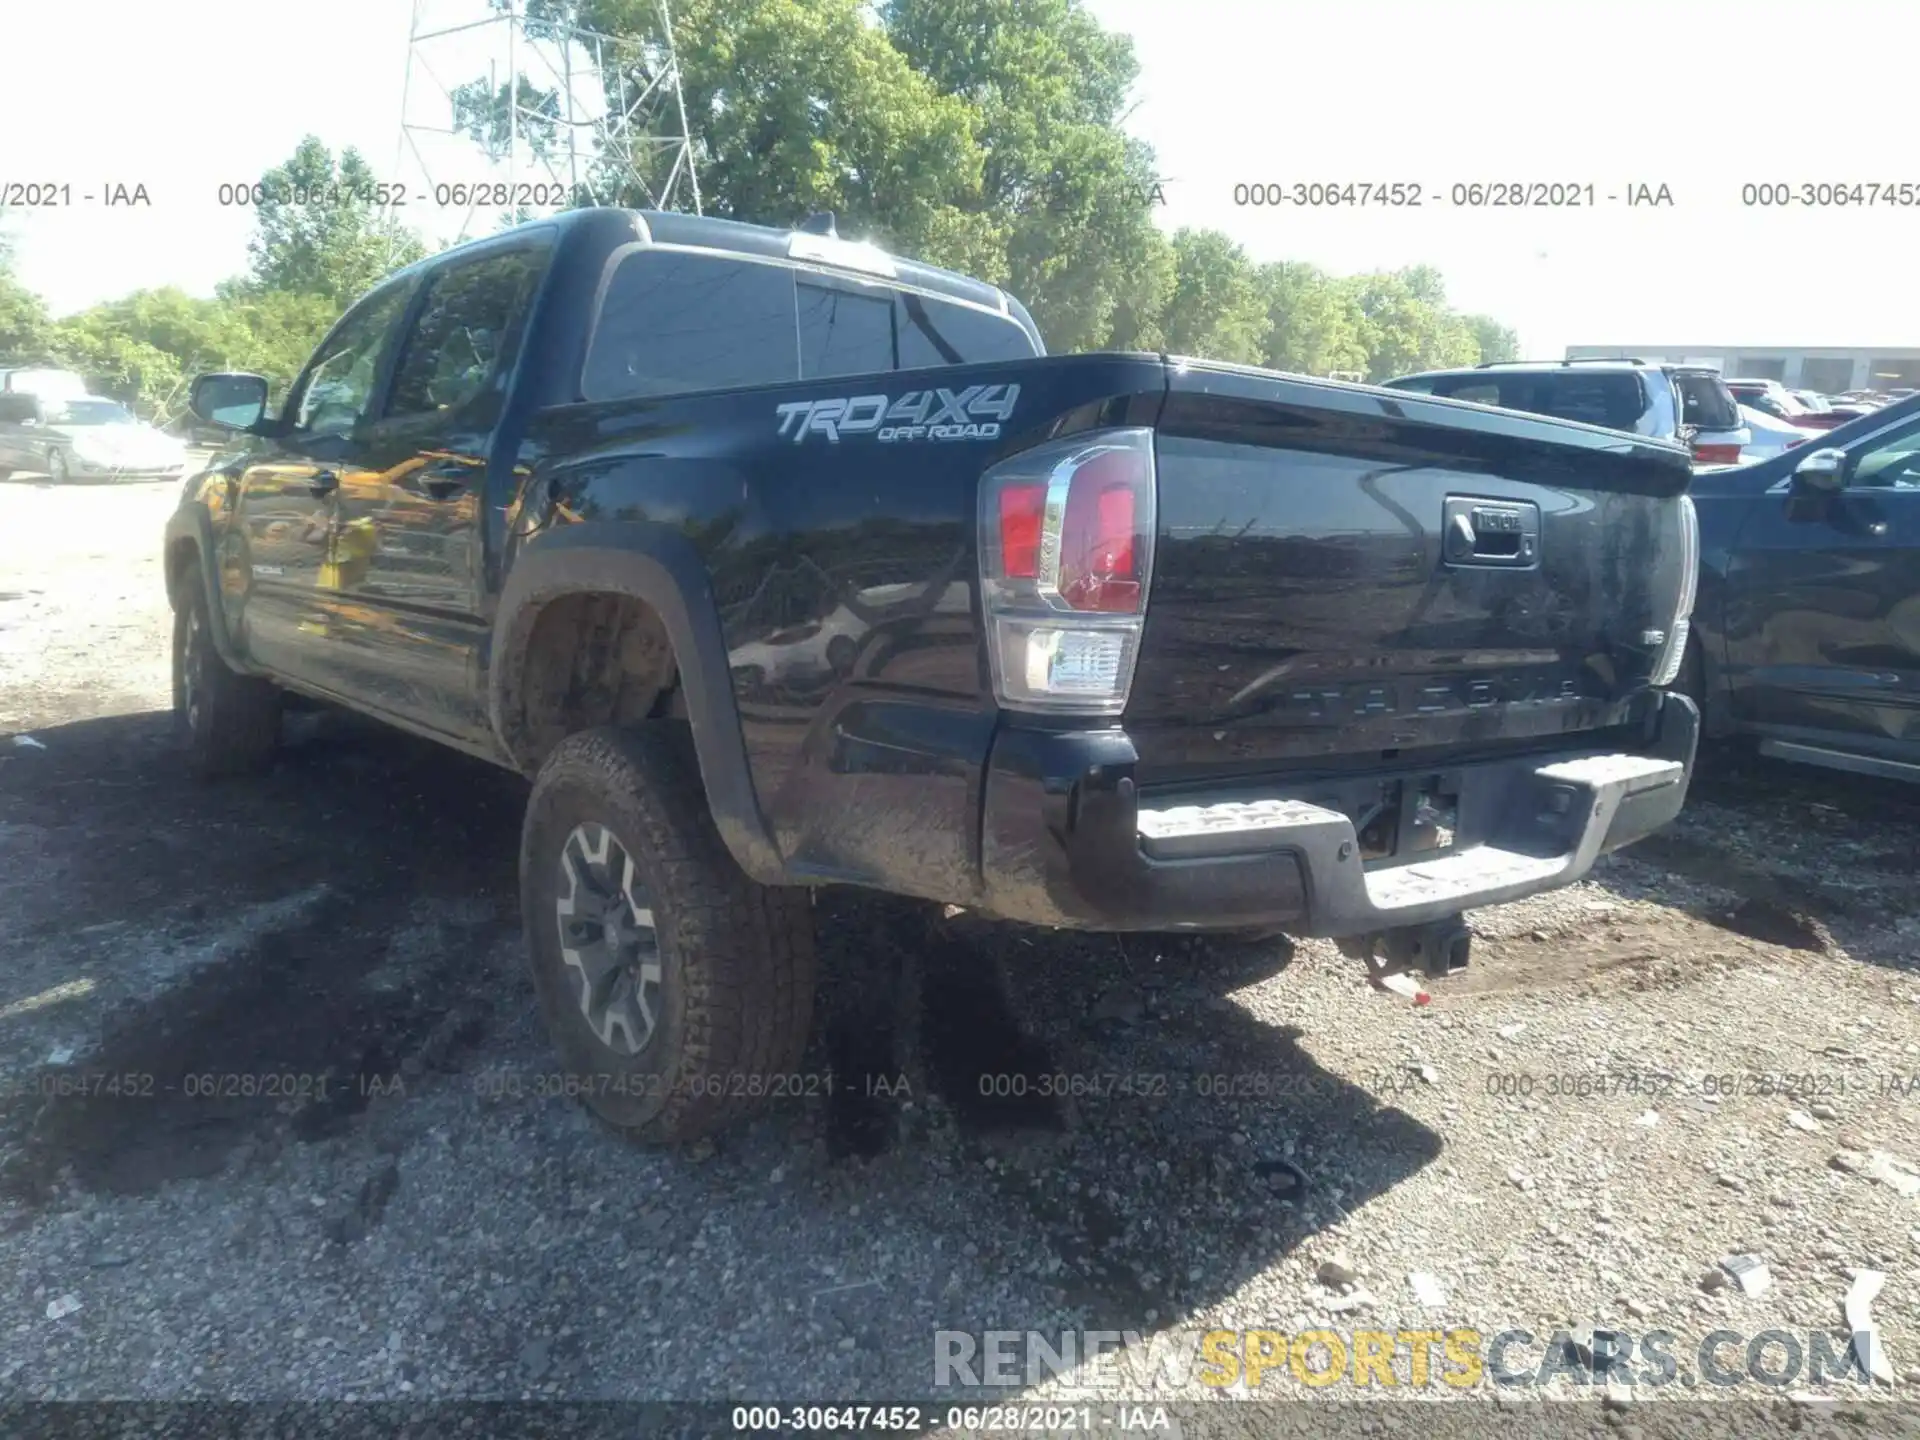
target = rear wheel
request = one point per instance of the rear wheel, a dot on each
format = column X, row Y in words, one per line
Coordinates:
column 57, row 470
column 678, row 992
column 229, row 723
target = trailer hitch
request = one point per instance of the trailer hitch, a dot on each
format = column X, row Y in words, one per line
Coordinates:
column 1437, row 949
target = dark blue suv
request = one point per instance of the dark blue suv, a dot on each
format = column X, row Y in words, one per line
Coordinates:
column 1807, row 623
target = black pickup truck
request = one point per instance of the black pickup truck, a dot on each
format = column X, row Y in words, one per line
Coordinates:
column 776, row 561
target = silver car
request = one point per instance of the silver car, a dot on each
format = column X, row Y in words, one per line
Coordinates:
column 83, row 437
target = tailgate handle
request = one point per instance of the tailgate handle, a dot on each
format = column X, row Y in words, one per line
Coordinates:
column 1500, row 533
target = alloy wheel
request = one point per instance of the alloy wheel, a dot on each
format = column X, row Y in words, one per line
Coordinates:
column 608, row 940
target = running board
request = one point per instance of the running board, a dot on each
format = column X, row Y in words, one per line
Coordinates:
column 1840, row 760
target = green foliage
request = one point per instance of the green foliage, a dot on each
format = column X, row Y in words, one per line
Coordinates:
column 803, row 105
column 23, row 316
column 320, row 242
column 1497, row 343
column 1217, row 309
column 23, row 323
column 985, row 135
column 320, row 229
column 1313, row 323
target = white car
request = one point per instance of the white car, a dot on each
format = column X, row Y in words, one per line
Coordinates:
column 1771, row 436
column 83, row 437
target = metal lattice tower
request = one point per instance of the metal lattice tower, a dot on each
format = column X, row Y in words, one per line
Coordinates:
column 527, row 99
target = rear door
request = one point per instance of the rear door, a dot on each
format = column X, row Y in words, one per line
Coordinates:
column 407, row 618
column 286, row 542
column 1823, row 604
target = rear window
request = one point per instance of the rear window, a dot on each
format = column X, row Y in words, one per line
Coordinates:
column 1615, row 400
column 1706, row 402
column 673, row 323
column 935, row 332
column 843, row 332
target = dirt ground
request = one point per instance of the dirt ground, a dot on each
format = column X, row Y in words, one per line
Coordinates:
column 274, row 1120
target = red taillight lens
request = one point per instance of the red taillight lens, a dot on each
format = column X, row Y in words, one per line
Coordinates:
column 1097, row 535
column 1022, row 507
column 1066, row 559
column 1717, row 454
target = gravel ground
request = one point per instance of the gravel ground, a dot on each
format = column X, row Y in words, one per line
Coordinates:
column 1576, row 1130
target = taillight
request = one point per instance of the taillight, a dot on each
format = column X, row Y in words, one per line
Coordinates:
column 1066, row 553
column 1668, row 669
column 1716, row 454
column 1021, row 507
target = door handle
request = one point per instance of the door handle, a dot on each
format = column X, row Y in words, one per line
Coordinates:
column 444, row 482
column 323, row 482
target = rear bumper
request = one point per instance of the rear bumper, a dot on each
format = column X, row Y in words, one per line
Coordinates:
column 1067, row 839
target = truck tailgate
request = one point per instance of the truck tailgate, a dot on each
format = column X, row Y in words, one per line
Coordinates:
column 1345, row 575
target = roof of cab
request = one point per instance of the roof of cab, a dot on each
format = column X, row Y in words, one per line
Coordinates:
column 706, row 232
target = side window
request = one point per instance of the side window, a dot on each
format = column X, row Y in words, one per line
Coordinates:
column 843, row 332
column 1480, row 392
column 1890, row 463
column 338, row 389
column 935, row 332
column 671, row 323
column 468, row 331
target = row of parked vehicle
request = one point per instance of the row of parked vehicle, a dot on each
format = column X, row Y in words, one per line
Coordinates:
column 1723, row 421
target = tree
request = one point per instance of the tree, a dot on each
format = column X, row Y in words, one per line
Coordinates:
column 1061, row 179
column 1217, row 309
column 24, row 323
column 23, row 315
column 320, row 230
column 1313, row 322
column 802, row 106
column 1496, row 341
column 1405, row 326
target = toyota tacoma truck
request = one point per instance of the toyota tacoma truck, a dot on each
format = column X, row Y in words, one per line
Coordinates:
column 777, row 561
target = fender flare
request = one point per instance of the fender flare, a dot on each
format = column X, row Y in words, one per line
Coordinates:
column 191, row 525
column 659, row 567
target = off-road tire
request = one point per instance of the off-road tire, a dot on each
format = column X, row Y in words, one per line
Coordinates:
column 736, row 958
column 235, row 726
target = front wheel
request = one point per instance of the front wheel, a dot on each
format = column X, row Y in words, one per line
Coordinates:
column 229, row 723
column 678, row 991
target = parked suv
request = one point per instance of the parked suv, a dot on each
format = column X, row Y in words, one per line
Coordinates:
column 1684, row 403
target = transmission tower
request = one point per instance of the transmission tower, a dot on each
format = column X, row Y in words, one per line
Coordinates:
column 524, row 111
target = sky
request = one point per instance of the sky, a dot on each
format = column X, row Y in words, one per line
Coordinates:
column 1699, row 96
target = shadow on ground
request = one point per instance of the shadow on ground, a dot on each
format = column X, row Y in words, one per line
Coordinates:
column 1236, row 1145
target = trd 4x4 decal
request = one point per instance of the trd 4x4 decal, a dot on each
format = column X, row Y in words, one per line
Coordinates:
column 916, row 415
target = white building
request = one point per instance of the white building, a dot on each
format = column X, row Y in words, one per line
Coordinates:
column 1827, row 369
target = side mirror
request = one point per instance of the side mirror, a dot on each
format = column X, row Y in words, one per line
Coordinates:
column 231, row 401
column 1822, row 472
